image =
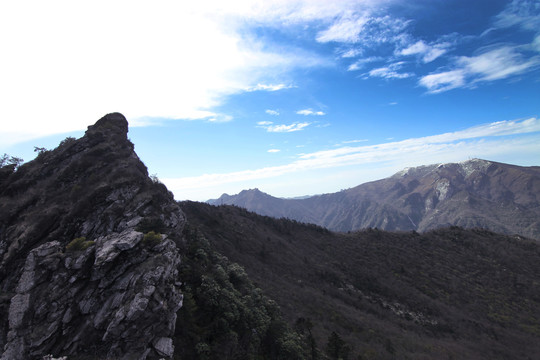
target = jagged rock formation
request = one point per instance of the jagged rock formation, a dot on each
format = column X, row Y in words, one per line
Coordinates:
column 476, row 193
column 113, row 292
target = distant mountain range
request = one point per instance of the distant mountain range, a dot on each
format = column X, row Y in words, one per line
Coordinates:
column 472, row 194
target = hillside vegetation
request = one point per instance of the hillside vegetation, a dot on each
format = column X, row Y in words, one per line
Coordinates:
column 448, row 293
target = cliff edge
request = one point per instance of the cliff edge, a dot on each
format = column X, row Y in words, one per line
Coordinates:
column 88, row 252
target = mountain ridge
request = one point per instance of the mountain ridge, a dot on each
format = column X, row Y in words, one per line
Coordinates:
column 77, row 274
column 474, row 193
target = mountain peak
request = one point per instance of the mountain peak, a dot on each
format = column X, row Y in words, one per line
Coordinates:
column 113, row 124
column 83, row 210
column 252, row 191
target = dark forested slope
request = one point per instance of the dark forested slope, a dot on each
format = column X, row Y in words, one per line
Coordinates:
column 448, row 293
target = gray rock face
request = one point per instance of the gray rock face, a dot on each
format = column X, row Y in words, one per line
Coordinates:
column 164, row 346
column 116, row 296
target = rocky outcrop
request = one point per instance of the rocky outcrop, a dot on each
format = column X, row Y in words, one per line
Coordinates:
column 78, row 276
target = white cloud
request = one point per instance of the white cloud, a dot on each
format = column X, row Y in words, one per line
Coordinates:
column 498, row 63
column 350, row 53
column 487, row 140
column 287, row 12
column 274, row 150
column 272, row 112
column 288, row 128
column 345, row 30
column 389, row 72
column 307, row 112
column 525, row 13
column 354, row 141
column 428, row 53
column 500, row 128
column 364, row 28
column 68, row 63
column 220, row 118
column 443, row 81
column 492, row 64
column 419, row 47
column 270, row 127
column 536, row 43
column 357, row 65
column 269, row 87
column 80, row 62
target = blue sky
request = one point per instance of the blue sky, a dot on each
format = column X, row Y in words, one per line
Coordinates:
column 293, row 97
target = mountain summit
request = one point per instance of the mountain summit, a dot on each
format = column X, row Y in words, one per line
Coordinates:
column 475, row 193
column 77, row 272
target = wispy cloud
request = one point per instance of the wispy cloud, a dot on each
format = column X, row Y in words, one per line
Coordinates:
column 350, row 53
column 498, row 63
column 363, row 28
column 443, row 81
column 307, row 112
column 272, row 112
column 500, row 128
column 346, row 30
column 274, row 150
column 483, row 140
column 426, row 52
column 492, row 64
column 360, row 63
column 356, row 31
column 354, row 141
column 220, row 118
column 523, row 13
column 389, row 72
column 282, row 128
column 536, row 43
column 269, row 87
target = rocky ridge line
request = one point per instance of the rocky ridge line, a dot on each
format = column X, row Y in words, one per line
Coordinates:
column 117, row 294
